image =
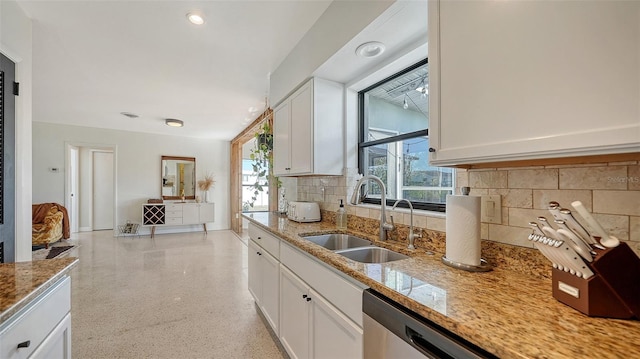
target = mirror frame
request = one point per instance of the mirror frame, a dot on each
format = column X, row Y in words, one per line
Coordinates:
column 178, row 158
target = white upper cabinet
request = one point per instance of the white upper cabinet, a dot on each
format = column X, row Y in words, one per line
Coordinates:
column 512, row 80
column 308, row 131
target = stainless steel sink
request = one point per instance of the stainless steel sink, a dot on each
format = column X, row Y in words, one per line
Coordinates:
column 336, row 241
column 372, row 255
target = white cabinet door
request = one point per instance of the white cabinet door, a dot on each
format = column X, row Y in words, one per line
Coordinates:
column 281, row 139
column 254, row 277
column 513, row 80
column 191, row 213
column 294, row 315
column 270, row 301
column 206, row 213
column 57, row 345
column 333, row 334
column 308, row 130
column 301, row 130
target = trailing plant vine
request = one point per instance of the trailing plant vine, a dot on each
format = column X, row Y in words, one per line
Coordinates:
column 262, row 157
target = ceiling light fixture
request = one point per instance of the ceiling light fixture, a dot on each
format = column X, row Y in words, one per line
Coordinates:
column 423, row 88
column 173, row 122
column 129, row 114
column 370, row 49
column 195, row 18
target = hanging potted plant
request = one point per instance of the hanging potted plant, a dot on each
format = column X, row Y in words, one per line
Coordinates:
column 262, row 161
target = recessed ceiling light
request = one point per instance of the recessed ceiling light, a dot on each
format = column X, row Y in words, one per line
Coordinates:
column 370, row 49
column 195, row 18
column 173, row 122
column 129, row 114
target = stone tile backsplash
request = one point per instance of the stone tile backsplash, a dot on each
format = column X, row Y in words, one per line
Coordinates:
column 611, row 191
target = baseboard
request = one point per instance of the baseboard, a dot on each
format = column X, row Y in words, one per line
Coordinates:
column 85, row 229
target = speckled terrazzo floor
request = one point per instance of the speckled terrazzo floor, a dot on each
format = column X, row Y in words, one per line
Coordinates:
column 176, row 296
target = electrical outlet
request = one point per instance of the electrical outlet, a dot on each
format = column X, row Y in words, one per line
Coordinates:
column 491, row 209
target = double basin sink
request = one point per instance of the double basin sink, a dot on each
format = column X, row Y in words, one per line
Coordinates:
column 355, row 248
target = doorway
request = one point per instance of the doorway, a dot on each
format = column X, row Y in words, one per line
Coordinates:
column 7, row 161
column 239, row 175
column 91, row 187
column 102, row 190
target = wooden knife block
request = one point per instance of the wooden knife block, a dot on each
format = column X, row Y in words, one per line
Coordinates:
column 612, row 292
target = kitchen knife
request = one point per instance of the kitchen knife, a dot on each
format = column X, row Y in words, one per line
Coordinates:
column 554, row 209
column 605, row 239
column 536, row 237
column 576, row 243
column 575, row 263
column 551, row 241
column 575, row 226
column 579, row 242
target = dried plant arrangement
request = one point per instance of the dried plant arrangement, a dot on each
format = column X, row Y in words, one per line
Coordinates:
column 206, row 183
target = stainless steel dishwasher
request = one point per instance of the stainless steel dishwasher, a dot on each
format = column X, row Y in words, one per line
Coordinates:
column 393, row 332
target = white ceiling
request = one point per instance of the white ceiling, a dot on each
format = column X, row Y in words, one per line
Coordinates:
column 96, row 59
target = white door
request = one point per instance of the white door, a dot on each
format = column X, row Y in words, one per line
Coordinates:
column 333, row 334
column 270, row 271
column 102, row 190
column 255, row 278
column 281, row 139
column 72, row 204
column 294, row 314
column 302, row 130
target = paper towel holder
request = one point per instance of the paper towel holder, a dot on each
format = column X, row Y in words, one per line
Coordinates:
column 483, row 267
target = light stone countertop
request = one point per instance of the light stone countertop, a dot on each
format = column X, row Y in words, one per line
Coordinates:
column 22, row 282
column 509, row 314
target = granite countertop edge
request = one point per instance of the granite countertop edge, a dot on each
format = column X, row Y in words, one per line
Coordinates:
column 66, row 265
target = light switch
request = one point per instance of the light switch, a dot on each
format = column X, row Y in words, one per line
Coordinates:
column 491, row 209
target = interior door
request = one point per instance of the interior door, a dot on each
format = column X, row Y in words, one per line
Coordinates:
column 72, row 200
column 102, row 190
column 7, row 160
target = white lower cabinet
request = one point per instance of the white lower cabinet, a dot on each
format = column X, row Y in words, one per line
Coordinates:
column 58, row 343
column 41, row 329
column 315, row 311
column 264, row 282
column 310, row 326
column 294, row 315
column 333, row 335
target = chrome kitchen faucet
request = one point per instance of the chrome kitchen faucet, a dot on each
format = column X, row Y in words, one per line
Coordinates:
column 411, row 237
column 355, row 199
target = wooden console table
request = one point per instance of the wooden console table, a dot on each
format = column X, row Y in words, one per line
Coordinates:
column 176, row 214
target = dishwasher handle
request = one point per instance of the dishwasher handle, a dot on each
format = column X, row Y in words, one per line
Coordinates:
column 424, row 346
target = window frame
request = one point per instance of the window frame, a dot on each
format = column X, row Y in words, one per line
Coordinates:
column 362, row 144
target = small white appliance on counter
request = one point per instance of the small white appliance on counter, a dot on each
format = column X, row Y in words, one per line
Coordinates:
column 303, row 211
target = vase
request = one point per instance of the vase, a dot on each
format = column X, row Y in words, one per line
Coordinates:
column 205, row 197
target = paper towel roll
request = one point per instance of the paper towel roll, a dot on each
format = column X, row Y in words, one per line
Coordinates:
column 463, row 229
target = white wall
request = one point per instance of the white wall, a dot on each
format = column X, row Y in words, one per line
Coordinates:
column 338, row 24
column 15, row 43
column 138, row 168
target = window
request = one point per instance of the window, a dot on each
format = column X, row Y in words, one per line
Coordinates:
column 394, row 141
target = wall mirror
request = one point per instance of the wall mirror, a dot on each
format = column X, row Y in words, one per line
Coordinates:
column 178, row 177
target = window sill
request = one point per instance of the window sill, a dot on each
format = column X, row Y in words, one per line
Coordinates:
column 416, row 212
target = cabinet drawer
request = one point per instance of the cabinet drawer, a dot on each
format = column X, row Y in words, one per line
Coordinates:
column 173, row 207
column 173, row 221
column 170, row 213
column 343, row 294
column 34, row 322
column 265, row 239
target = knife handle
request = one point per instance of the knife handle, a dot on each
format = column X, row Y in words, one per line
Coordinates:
column 576, row 227
column 605, row 239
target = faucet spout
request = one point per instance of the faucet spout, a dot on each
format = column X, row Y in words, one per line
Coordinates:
column 355, row 199
column 411, row 237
